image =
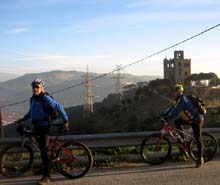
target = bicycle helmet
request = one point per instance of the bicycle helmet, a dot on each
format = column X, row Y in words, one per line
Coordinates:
column 178, row 88
column 37, row 82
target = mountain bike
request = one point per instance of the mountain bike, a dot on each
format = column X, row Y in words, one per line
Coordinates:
column 157, row 148
column 72, row 159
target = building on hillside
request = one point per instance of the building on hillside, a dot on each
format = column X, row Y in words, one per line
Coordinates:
column 178, row 69
column 129, row 86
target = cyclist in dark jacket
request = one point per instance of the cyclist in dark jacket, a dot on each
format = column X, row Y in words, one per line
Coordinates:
column 187, row 114
column 40, row 119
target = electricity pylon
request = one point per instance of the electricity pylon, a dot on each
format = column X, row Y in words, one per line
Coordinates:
column 88, row 96
column 1, row 125
column 118, row 84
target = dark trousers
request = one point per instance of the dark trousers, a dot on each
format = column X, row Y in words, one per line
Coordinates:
column 196, row 125
column 42, row 139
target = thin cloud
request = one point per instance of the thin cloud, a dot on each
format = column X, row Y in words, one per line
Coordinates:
column 17, row 30
column 48, row 62
column 34, row 3
column 171, row 3
column 61, row 58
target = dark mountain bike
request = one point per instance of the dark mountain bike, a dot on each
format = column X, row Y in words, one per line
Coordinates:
column 156, row 148
column 72, row 159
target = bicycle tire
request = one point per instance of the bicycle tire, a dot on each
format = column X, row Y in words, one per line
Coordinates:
column 79, row 165
column 151, row 153
column 210, row 147
column 15, row 160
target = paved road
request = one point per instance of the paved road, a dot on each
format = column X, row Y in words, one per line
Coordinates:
column 166, row 174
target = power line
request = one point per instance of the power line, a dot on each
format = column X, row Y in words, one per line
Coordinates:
column 16, row 103
column 126, row 66
column 172, row 46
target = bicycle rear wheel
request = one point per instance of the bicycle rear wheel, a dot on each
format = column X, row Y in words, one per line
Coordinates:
column 155, row 150
column 210, row 147
column 74, row 160
column 15, row 160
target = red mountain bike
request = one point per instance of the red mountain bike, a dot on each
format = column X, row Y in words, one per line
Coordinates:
column 157, row 148
column 72, row 159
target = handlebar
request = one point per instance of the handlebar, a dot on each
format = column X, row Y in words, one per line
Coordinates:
column 25, row 130
column 18, row 122
column 61, row 128
column 162, row 118
column 159, row 116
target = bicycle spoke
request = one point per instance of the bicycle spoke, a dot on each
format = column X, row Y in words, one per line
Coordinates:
column 74, row 160
column 15, row 160
column 210, row 147
column 155, row 150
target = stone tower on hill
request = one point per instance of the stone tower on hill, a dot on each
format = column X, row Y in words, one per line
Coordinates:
column 178, row 69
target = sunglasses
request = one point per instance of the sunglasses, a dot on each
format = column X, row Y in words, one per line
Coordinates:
column 37, row 87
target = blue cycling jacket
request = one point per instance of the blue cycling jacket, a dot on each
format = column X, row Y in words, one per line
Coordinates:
column 183, row 108
column 37, row 113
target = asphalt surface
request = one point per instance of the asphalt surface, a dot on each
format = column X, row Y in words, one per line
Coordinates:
column 183, row 173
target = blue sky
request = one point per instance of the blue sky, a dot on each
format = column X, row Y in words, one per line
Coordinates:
column 44, row 35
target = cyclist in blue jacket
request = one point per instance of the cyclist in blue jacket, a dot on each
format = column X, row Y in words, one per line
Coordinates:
column 186, row 113
column 40, row 119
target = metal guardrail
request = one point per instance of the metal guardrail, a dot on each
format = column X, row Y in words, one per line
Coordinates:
column 109, row 139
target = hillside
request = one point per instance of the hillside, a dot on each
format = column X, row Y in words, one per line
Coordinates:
column 132, row 114
column 19, row 89
column 137, row 111
column 7, row 76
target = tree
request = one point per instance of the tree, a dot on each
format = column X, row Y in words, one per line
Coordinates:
column 159, row 82
column 214, row 82
column 198, row 78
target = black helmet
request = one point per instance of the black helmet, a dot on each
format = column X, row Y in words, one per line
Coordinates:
column 37, row 82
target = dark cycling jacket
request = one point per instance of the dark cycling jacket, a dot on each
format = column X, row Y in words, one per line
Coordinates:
column 37, row 113
column 183, row 108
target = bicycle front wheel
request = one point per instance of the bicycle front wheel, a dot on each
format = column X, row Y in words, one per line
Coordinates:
column 15, row 160
column 210, row 144
column 74, row 160
column 155, row 149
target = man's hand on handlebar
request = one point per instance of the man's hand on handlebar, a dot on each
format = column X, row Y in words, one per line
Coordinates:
column 65, row 127
column 160, row 116
column 163, row 120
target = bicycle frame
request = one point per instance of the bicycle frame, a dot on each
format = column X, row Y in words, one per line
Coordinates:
column 170, row 130
column 31, row 139
column 72, row 159
column 55, row 147
column 156, row 148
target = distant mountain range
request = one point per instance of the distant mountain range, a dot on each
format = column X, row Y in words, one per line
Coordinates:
column 19, row 89
column 7, row 76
